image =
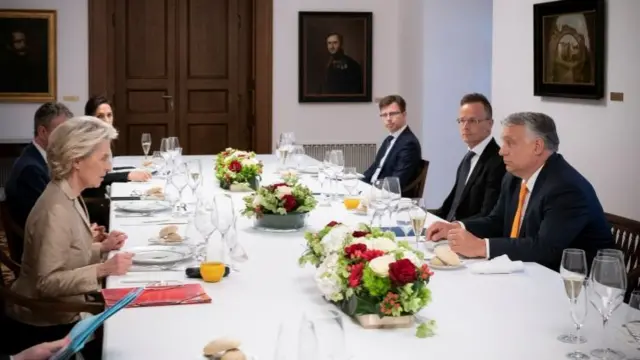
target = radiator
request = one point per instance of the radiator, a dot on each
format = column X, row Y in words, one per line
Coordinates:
column 360, row 156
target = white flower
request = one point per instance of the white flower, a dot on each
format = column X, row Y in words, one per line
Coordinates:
column 257, row 201
column 282, row 191
column 411, row 256
column 327, row 278
column 240, row 153
column 249, row 162
column 383, row 244
column 380, row 265
column 334, row 240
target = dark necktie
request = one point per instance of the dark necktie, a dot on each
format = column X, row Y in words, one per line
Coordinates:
column 383, row 150
column 465, row 167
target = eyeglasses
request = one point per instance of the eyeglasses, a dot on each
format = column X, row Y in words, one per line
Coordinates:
column 390, row 114
column 470, row 121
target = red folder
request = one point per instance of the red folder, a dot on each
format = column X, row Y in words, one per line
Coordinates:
column 160, row 295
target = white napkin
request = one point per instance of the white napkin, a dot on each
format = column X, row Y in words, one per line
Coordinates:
column 500, row 265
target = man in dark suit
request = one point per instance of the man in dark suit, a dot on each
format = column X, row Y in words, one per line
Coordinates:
column 545, row 205
column 481, row 171
column 30, row 175
column 342, row 74
column 400, row 154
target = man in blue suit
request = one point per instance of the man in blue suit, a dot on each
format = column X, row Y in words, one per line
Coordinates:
column 30, row 174
column 400, row 154
column 545, row 204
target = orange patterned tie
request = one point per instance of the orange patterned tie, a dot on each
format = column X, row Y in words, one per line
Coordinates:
column 515, row 228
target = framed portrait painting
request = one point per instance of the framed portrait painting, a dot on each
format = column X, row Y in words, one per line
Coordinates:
column 27, row 55
column 335, row 56
column 569, row 48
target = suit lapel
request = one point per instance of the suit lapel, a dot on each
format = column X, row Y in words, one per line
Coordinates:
column 81, row 208
column 393, row 150
column 534, row 198
column 477, row 170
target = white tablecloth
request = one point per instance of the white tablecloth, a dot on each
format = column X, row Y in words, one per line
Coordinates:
column 513, row 316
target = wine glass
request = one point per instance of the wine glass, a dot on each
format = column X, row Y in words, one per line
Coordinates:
column 615, row 253
column 395, row 193
column 146, row 144
column 418, row 218
column 573, row 271
column 350, row 180
column 180, row 179
column 194, row 171
column 403, row 216
column 328, row 328
column 632, row 320
column 298, row 155
column 379, row 198
column 204, row 225
column 608, row 283
column 223, row 215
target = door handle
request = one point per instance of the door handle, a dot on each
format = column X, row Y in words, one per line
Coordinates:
column 170, row 99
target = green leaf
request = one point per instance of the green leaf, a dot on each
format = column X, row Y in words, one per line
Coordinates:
column 426, row 329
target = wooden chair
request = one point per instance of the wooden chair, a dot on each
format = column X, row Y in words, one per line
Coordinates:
column 626, row 234
column 14, row 233
column 417, row 186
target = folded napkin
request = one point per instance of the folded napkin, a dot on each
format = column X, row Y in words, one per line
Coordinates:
column 500, row 265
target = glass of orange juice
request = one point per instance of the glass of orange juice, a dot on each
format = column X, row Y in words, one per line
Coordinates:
column 212, row 271
column 351, row 203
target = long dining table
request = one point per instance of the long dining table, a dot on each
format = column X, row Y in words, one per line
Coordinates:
column 491, row 316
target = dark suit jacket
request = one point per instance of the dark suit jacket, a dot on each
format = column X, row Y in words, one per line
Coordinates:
column 404, row 161
column 482, row 190
column 28, row 179
column 563, row 212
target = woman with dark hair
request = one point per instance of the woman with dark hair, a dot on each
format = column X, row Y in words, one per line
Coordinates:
column 99, row 106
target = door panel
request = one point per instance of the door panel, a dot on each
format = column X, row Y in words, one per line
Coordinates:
column 145, row 71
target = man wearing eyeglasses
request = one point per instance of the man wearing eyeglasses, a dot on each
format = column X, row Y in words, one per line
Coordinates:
column 480, row 173
column 400, row 154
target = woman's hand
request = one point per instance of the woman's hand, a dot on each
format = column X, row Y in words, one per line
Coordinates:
column 139, row 176
column 113, row 241
column 119, row 264
column 99, row 232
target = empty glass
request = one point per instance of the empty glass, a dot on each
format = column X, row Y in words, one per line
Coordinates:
column 573, row 271
column 327, row 327
column 350, row 180
column 632, row 320
column 180, row 179
column 608, row 283
column 395, row 192
column 203, row 223
column 297, row 153
column 379, row 198
column 402, row 216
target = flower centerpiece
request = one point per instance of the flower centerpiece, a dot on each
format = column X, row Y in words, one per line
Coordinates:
column 280, row 206
column 238, row 170
column 373, row 278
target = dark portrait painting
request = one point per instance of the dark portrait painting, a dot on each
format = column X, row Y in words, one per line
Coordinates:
column 27, row 55
column 335, row 56
column 569, row 49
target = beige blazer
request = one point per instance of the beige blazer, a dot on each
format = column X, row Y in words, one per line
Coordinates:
column 60, row 258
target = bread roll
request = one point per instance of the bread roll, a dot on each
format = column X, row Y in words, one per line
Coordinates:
column 173, row 237
column 220, row 345
column 234, row 354
column 447, row 256
column 156, row 190
column 167, row 230
column 437, row 262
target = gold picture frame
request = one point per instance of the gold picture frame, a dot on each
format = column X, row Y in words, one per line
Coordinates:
column 28, row 55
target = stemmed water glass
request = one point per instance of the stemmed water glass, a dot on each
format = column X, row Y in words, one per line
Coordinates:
column 379, row 199
column 632, row 320
column 403, row 217
column 285, row 147
column 298, row 155
column 204, row 225
column 146, row 144
column 608, row 282
column 329, row 172
column 573, row 271
column 328, row 329
column 180, row 179
column 223, row 215
column 350, row 180
column 395, row 193
column 194, row 171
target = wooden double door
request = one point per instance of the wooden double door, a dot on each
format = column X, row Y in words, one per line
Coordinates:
column 183, row 68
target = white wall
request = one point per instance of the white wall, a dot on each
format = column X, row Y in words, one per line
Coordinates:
column 457, row 60
column 599, row 138
column 16, row 119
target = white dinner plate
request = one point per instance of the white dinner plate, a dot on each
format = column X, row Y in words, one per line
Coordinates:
column 159, row 254
column 156, row 240
column 144, row 206
column 309, row 170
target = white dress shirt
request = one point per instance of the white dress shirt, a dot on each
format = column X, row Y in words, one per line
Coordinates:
column 42, row 151
column 393, row 141
column 477, row 150
column 530, row 184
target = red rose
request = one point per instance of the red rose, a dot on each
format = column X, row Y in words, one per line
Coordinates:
column 235, row 166
column 372, row 254
column 332, row 224
column 355, row 276
column 289, row 203
column 402, row 272
column 358, row 234
column 355, row 251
